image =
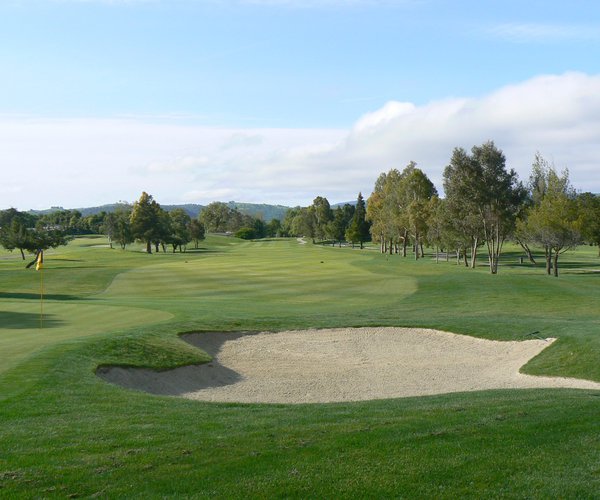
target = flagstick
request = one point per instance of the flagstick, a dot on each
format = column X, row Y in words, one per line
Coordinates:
column 41, row 298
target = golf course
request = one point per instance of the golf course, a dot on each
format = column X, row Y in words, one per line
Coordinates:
column 65, row 432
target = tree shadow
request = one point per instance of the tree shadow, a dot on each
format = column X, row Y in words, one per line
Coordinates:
column 36, row 296
column 182, row 380
column 23, row 321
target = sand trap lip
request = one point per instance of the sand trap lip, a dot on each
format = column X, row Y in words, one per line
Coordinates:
column 355, row 364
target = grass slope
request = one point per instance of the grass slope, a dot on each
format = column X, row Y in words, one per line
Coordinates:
column 63, row 432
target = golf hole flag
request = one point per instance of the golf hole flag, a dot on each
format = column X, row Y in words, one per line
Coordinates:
column 38, row 261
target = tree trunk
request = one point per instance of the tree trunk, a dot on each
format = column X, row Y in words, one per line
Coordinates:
column 474, row 242
column 416, row 246
column 404, row 244
column 458, row 256
column 148, row 247
column 22, row 253
column 361, row 244
column 548, row 252
column 465, row 258
column 437, row 254
column 527, row 250
column 556, row 264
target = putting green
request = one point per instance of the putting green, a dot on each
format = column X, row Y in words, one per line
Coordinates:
column 21, row 335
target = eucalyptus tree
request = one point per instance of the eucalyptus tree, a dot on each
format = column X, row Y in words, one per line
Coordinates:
column 108, row 226
column 485, row 198
column 460, row 188
column 553, row 221
column 415, row 193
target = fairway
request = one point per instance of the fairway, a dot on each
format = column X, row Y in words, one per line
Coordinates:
column 66, row 432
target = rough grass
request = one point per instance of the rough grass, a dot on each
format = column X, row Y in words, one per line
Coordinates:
column 64, row 432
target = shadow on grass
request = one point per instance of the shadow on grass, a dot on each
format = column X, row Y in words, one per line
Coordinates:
column 36, row 296
column 23, row 321
column 180, row 380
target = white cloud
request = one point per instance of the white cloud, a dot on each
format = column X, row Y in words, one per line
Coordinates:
column 87, row 162
column 537, row 32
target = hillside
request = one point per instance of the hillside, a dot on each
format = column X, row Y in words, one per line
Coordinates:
column 265, row 211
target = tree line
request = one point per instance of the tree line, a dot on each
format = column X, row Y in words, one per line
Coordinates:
column 485, row 205
column 322, row 223
column 145, row 221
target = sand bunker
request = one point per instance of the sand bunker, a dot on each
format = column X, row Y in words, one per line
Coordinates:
column 318, row 366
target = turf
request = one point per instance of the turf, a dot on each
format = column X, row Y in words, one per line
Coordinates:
column 63, row 432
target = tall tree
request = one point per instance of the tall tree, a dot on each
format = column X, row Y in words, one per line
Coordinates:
column 483, row 193
column 180, row 233
column 123, row 233
column 554, row 222
column 358, row 231
column 342, row 217
column 416, row 190
column 145, row 220
column 460, row 187
column 197, row 232
column 109, row 226
column 321, row 212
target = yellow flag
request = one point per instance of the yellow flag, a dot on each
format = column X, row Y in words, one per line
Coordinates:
column 39, row 263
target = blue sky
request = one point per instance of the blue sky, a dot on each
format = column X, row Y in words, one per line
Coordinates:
column 283, row 100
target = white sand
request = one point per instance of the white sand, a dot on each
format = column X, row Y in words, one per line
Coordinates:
column 317, row 366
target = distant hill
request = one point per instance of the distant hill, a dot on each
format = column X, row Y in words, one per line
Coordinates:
column 263, row 210
column 267, row 212
column 341, row 204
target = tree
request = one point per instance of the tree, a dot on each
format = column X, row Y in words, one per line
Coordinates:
column 461, row 205
column 342, row 217
column 554, row 221
column 589, row 209
column 180, row 231
column 415, row 192
column 260, row 228
column 145, row 220
column 123, row 233
column 274, row 228
column 246, row 233
column 109, row 226
column 321, row 212
column 484, row 199
column 197, row 232
column 384, row 213
column 16, row 232
column 218, row 217
column 358, row 231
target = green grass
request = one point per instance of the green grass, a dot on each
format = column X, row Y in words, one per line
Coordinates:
column 63, row 432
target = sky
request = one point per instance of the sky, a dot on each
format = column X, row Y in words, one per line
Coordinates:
column 280, row 101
